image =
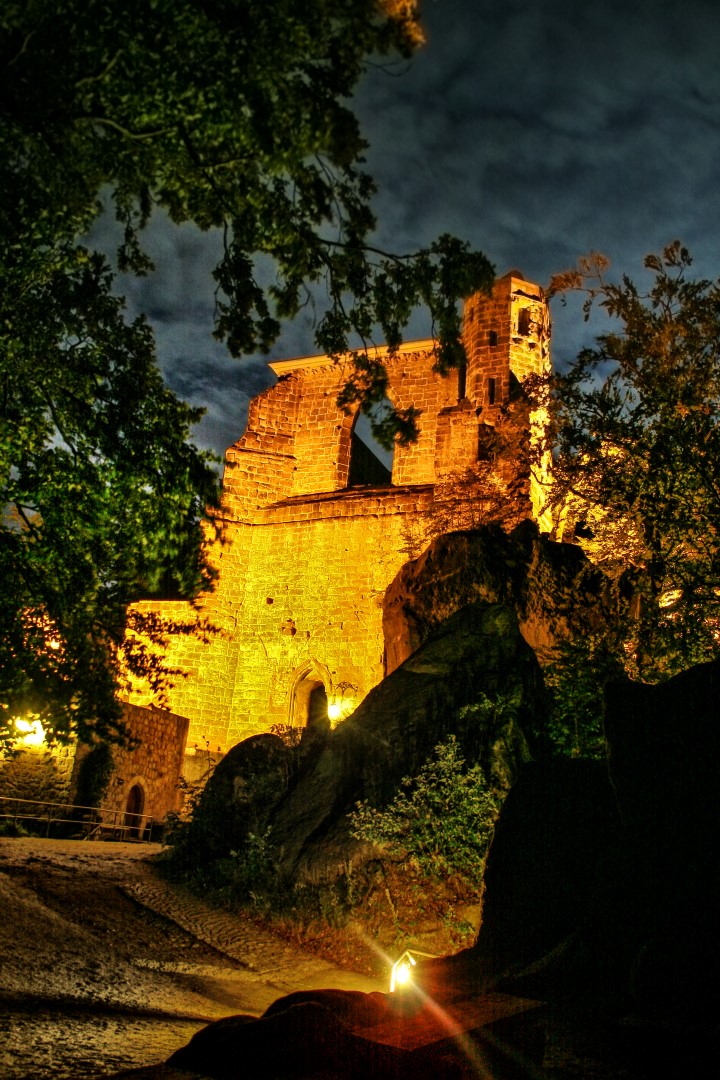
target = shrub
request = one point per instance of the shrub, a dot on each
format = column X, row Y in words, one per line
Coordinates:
column 441, row 821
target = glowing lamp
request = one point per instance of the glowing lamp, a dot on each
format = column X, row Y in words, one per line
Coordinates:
column 334, row 710
column 401, row 971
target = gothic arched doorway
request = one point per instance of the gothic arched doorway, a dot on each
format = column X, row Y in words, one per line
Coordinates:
column 309, row 698
column 317, row 717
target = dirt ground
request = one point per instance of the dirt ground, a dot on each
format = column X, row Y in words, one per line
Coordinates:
column 104, row 967
column 95, row 948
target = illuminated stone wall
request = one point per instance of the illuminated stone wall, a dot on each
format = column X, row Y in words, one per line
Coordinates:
column 154, row 763
column 37, row 773
column 304, row 560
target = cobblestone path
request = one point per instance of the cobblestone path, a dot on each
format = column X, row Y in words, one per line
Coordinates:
column 263, row 953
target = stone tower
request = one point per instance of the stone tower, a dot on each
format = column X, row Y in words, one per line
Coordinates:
column 315, row 527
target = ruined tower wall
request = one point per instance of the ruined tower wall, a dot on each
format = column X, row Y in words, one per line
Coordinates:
column 320, row 567
column 303, row 561
column 506, row 333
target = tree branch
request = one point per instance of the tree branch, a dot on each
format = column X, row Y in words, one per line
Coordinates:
column 106, row 70
column 105, row 121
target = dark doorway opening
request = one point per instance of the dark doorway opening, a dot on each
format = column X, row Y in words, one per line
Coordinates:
column 133, row 812
column 318, row 719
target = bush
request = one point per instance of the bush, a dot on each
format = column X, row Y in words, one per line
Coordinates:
column 248, row 874
column 11, row 828
column 440, row 822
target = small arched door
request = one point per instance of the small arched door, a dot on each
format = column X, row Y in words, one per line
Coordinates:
column 309, row 697
column 134, row 808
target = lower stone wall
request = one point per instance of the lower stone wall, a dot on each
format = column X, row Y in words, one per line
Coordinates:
column 298, row 600
column 155, row 765
column 38, row 773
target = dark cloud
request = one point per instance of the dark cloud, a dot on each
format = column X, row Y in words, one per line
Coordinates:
column 540, row 131
column 537, row 131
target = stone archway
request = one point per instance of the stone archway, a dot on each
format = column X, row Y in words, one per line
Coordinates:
column 309, row 697
column 361, row 461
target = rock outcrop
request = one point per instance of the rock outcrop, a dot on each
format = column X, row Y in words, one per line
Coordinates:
column 239, row 797
column 664, row 763
column 346, row 1035
column 479, row 651
column 303, row 794
column 465, row 620
column 602, row 883
column 552, row 588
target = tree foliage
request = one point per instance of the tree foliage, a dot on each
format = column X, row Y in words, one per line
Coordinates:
column 232, row 114
column 637, row 430
column 102, row 494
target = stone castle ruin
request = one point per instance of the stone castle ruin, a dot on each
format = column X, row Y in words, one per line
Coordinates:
column 315, row 525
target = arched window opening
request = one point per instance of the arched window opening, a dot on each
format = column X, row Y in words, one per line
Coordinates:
column 524, row 321
column 462, row 380
column 370, row 463
column 134, row 807
column 487, row 442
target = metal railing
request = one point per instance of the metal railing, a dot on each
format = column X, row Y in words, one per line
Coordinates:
column 83, row 822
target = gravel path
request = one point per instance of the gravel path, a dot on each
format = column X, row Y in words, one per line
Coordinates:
column 267, row 956
column 105, row 966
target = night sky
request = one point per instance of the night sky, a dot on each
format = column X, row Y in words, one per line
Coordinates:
column 537, row 130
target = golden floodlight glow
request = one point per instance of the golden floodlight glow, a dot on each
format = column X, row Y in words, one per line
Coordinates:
column 402, row 975
column 334, row 710
column 31, row 730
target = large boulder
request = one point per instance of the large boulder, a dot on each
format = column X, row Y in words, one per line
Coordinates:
column 346, row 1035
column 550, row 852
column 239, row 797
column 664, row 761
column 478, row 652
column 552, row 587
